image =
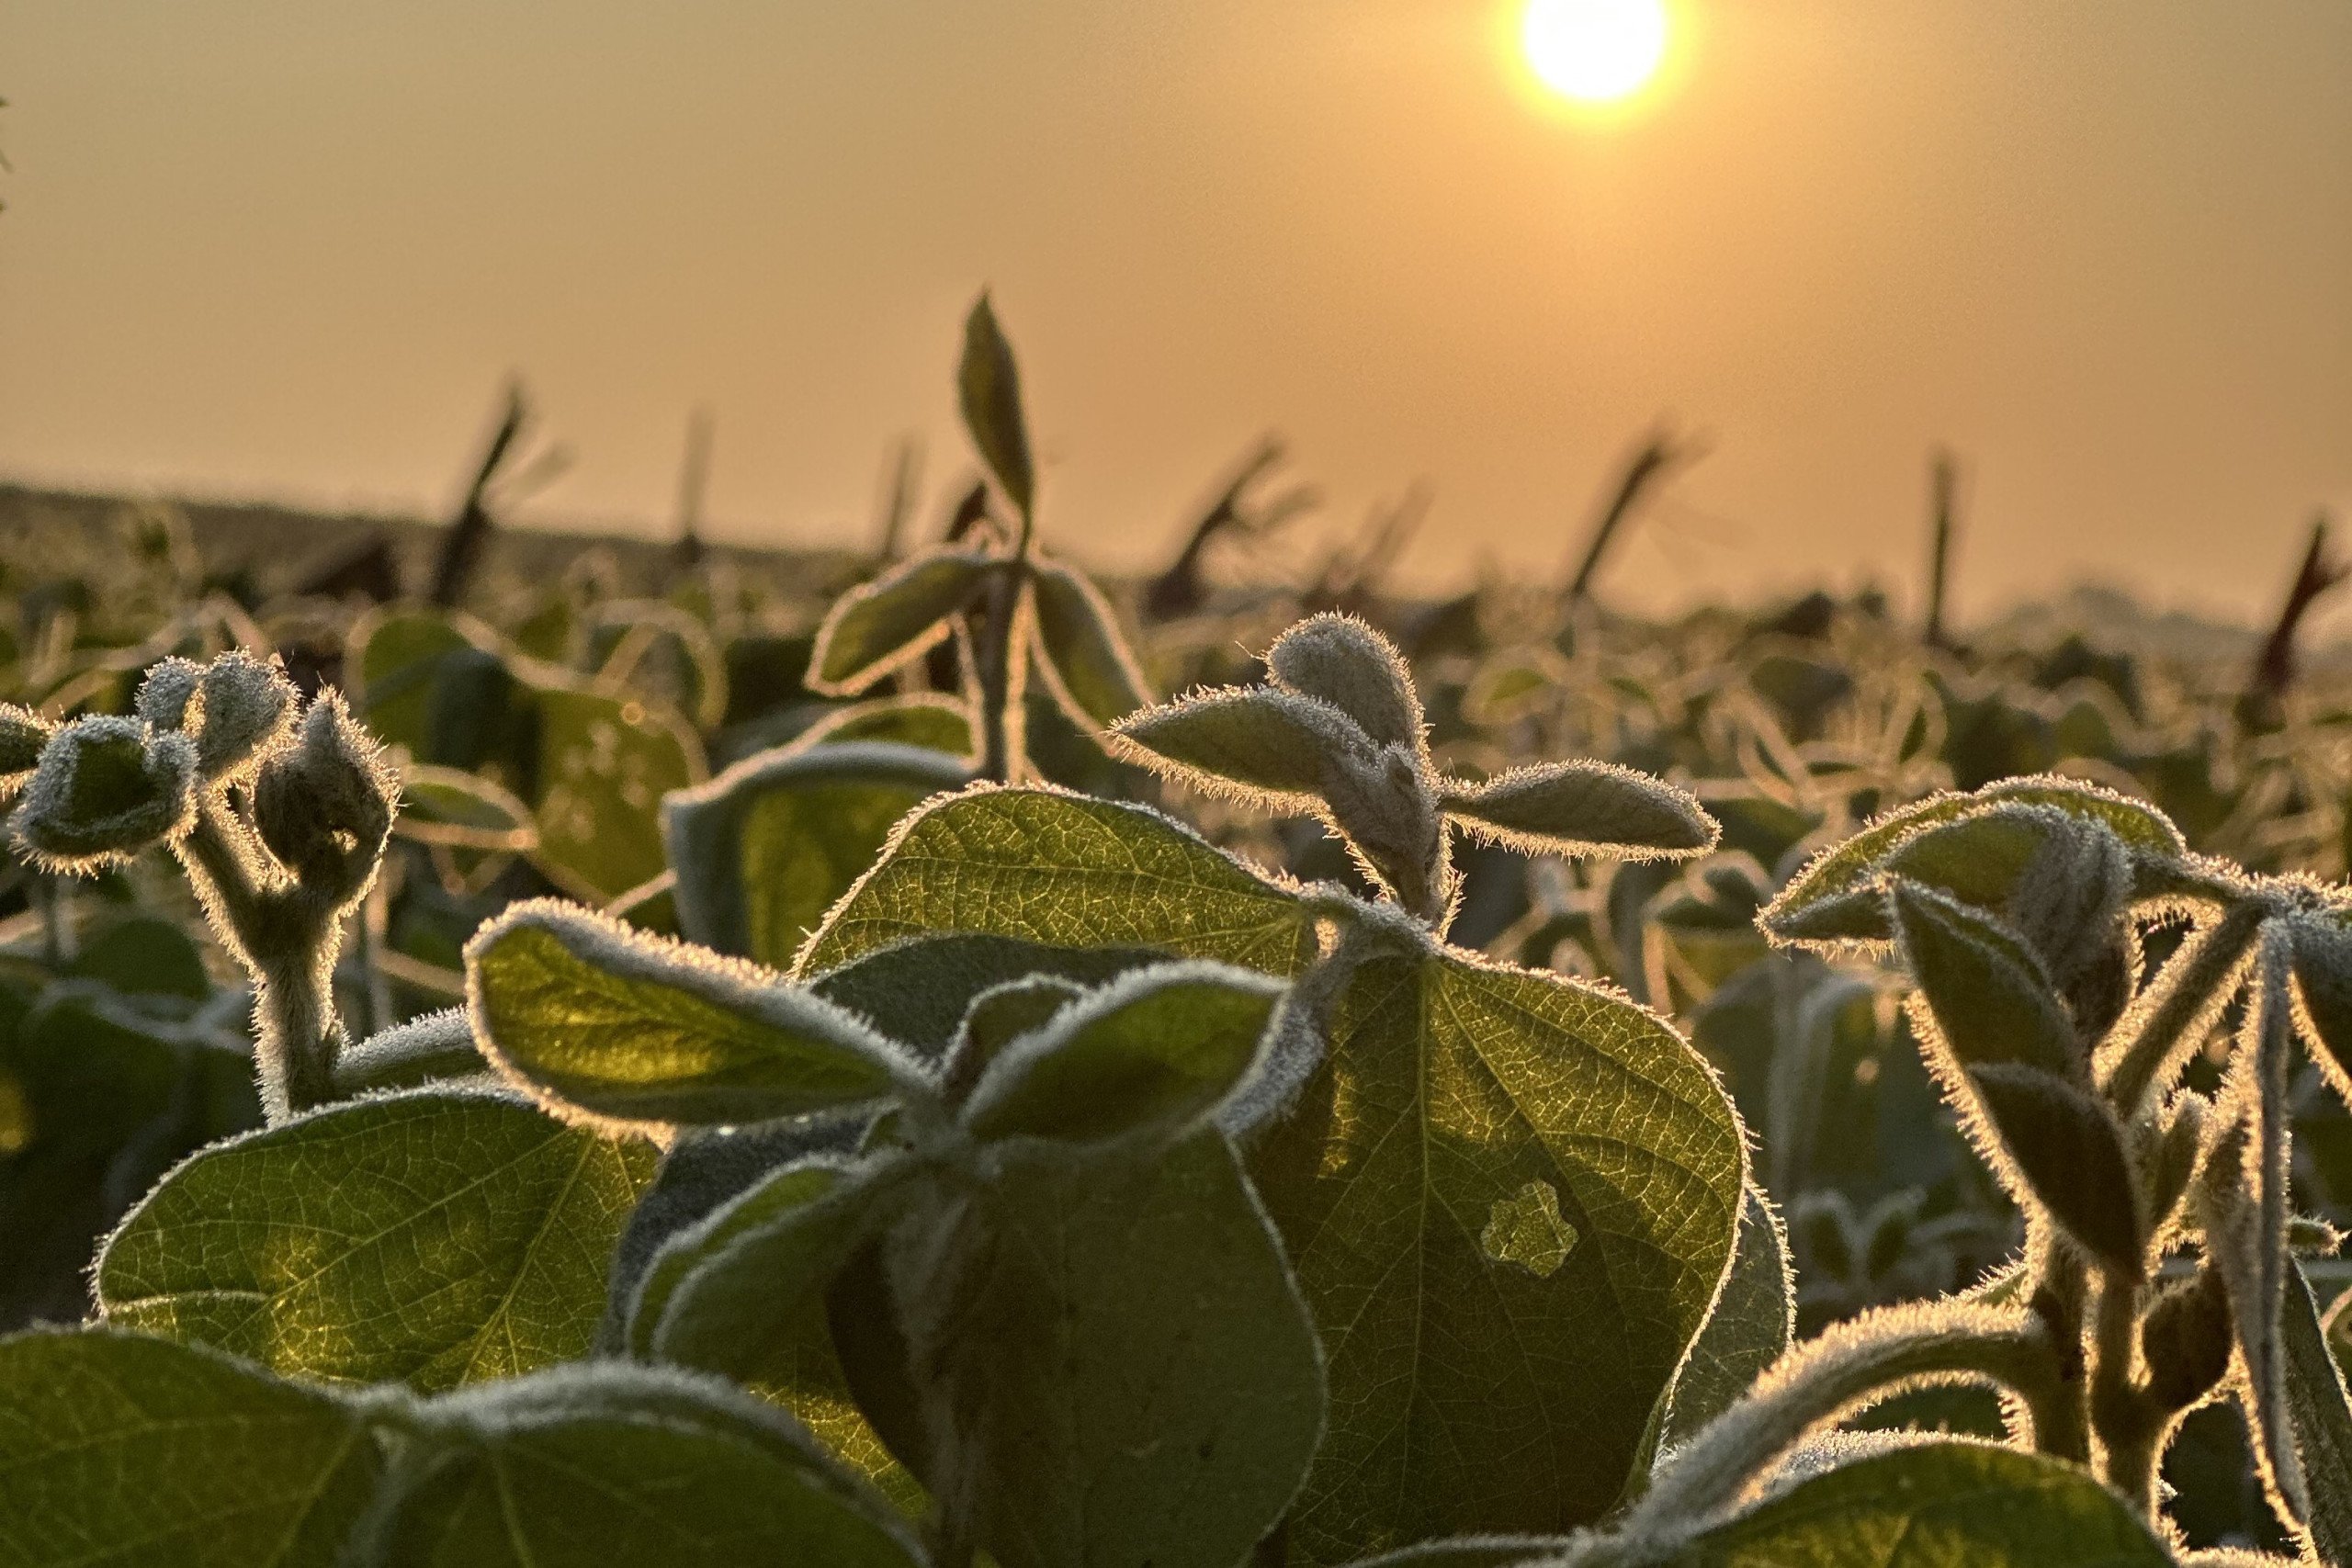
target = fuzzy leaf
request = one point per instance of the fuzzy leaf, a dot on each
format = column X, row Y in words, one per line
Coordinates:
column 2321, row 1416
column 1275, row 748
column 106, row 789
column 921, row 991
column 324, row 804
column 1583, row 809
column 742, row 1293
column 1088, row 1413
column 2323, row 968
column 1087, row 664
column 1160, row 1048
column 245, row 706
column 433, row 1237
column 1348, row 664
column 998, row 1016
column 612, row 1466
column 627, row 1027
column 1069, row 872
column 2187, row 1340
column 1932, row 1505
column 1753, row 1322
column 878, row 626
column 2063, row 1144
column 1510, row 1200
column 436, row 1046
column 23, row 733
column 1987, row 991
column 765, row 849
column 116, row 1449
column 990, row 386
column 1853, row 864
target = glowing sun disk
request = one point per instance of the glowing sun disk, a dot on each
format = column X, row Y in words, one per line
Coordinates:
column 1595, row 51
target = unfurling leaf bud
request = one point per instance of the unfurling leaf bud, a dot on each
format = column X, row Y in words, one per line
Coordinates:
column 106, row 789
column 1583, row 809
column 996, row 1018
column 23, row 733
column 1261, row 744
column 1158, row 1050
column 233, row 709
column 2186, row 1339
column 1348, row 664
column 2172, row 1162
column 324, row 804
column 2066, row 1153
column 1987, row 991
column 1382, row 806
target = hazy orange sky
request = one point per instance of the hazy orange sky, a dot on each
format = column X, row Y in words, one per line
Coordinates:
column 2102, row 247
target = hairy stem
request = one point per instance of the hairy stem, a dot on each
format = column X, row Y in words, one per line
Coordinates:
column 2196, row 981
column 1836, row 1373
column 2123, row 1417
column 2060, row 1302
column 994, row 651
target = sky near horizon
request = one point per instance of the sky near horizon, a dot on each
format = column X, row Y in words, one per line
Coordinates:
column 2103, row 249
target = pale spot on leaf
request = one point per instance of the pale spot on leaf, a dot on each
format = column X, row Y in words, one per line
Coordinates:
column 1528, row 1230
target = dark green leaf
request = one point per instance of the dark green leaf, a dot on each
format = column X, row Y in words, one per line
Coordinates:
column 1583, row 809
column 2063, row 1144
column 1160, row 1048
column 920, row 991
column 1752, row 1323
column 1100, row 1418
column 878, row 626
column 602, row 763
column 989, row 388
column 1272, row 747
column 2321, row 1415
column 1087, row 664
column 433, row 1237
column 765, row 849
column 120, row 1450
column 1932, row 1506
column 1987, row 991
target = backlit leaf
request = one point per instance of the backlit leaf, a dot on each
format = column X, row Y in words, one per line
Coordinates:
column 1753, row 1322
column 635, row 1028
column 1087, row 664
column 1275, row 748
column 435, row 1237
column 989, row 389
column 881, row 625
column 1583, row 809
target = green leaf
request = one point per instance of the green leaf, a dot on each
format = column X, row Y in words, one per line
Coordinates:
column 1160, row 1048
column 2322, row 969
column 1066, row 871
column 628, row 1027
column 602, row 763
column 1348, row 664
column 1086, row 662
column 1987, row 991
column 1272, row 747
column 998, row 1016
column 1935, row 1505
column 614, row 1466
column 120, row 1450
column 742, row 1293
column 436, row 1237
column 1846, row 868
column 1583, row 809
column 1478, row 1382
column 2057, row 1144
column 463, row 810
column 765, row 849
column 2320, row 1412
column 391, row 660
column 106, row 789
column 23, row 733
column 932, row 720
column 1118, row 1352
column 920, row 991
column 1753, row 1322
column 878, row 626
column 989, row 388
column 434, row 1048
column 144, row 955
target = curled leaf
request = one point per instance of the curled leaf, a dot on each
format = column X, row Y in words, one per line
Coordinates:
column 106, row 789
column 1348, row 664
column 324, row 804
column 1158, row 1048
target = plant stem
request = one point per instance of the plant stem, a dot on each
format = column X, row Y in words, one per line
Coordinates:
column 997, row 653
column 2123, row 1417
column 2063, row 1428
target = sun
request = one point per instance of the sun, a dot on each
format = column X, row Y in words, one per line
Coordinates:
column 1595, row 51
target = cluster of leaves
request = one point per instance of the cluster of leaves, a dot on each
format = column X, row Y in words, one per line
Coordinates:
column 884, row 1152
